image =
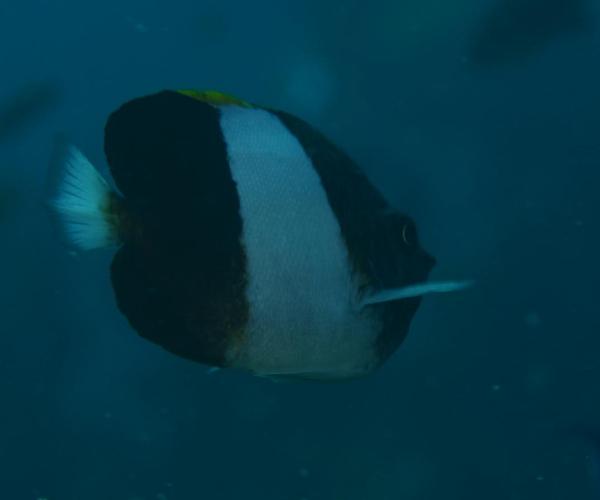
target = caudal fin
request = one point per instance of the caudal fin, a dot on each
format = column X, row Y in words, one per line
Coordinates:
column 83, row 201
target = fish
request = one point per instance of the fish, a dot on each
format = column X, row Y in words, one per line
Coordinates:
column 243, row 238
column 25, row 106
column 514, row 31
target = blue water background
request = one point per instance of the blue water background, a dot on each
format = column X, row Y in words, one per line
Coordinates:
column 498, row 166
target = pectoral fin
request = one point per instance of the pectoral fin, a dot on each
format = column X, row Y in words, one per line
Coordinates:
column 415, row 290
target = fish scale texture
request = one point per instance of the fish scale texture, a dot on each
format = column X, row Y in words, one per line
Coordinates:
column 304, row 315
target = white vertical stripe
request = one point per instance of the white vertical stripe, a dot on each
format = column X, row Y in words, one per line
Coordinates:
column 303, row 307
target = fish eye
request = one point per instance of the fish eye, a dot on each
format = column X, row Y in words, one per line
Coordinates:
column 409, row 234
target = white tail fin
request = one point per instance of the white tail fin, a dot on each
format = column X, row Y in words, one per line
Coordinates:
column 415, row 291
column 82, row 201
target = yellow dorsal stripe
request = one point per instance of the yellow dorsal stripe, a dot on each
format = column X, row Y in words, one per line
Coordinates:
column 215, row 98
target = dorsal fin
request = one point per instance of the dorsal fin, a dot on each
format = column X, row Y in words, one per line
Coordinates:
column 215, row 98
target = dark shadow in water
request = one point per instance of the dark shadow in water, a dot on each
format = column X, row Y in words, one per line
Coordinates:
column 10, row 199
column 25, row 106
column 513, row 31
column 589, row 435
